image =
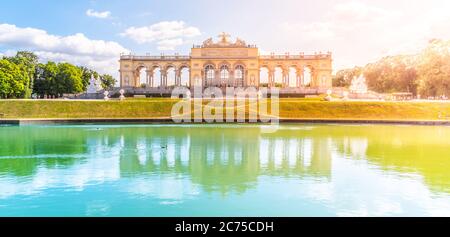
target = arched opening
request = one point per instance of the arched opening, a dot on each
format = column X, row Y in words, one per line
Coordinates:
column 142, row 72
column 171, row 76
column 224, row 75
column 209, row 75
column 307, row 76
column 239, row 76
column 185, row 73
column 292, row 76
column 264, row 77
column 278, row 76
column 156, row 76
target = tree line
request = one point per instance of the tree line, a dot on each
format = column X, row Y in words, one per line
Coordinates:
column 426, row 73
column 22, row 76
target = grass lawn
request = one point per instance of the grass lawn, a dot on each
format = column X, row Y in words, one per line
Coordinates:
column 151, row 108
column 161, row 108
column 366, row 110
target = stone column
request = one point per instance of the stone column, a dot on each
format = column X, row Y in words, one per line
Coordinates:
column 258, row 78
column 148, row 78
column 176, row 77
column 163, row 79
column 166, row 84
column 152, row 79
column 271, row 78
column 136, row 79
column 217, row 79
column 203, row 79
column 190, row 79
column 230, row 81
column 121, row 79
column 166, row 75
column 300, row 79
column 288, row 84
column 245, row 78
column 285, row 79
column 314, row 78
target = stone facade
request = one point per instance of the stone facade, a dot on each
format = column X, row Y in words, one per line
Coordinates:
column 228, row 64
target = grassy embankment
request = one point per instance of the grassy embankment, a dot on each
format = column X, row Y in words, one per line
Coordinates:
column 161, row 108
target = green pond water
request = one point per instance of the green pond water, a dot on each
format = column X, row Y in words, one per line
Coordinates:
column 224, row 170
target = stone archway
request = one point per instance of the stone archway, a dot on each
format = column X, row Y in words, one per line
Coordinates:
column 239, row 76
column 156, row 79
column 224, row 75
column 170, row 77
column 292, row 76
column 308, row 79
column 210, row 75
column 279, row 76
column 141, row 76
column 265, row 75
column 183, row 75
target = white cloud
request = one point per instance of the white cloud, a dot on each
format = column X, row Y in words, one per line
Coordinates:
column 96, row 14
column 169, row 44
column 344, row 20
column 359, row 13
column 77, row 49
column 359, row 32
column 166, row 34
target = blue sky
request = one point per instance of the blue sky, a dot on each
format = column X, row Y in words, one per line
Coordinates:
column 93, row 33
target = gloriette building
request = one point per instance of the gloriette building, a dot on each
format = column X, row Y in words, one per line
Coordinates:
column 228, row 64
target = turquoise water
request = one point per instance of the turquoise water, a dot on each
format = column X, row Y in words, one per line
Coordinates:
column 224, row 170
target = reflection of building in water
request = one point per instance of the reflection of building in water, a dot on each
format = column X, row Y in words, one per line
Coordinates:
column 216, row 159
column 356, row 147
column 232, row 161
column 296, row 155
column 155, row 153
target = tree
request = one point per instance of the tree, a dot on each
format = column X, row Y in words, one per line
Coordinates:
column 392, row 74
column 27, row 61
column 69, row 79
column 39, row 87
column 13, row 80
column 434, row 69
column 426, row 73
column 23, row 74
column 46, row 79
column 108, row 81
column 343, row 78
